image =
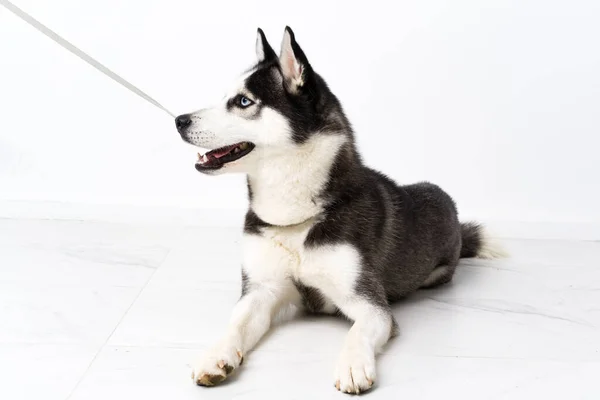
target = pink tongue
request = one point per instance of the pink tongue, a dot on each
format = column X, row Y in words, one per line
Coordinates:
column 221, row 153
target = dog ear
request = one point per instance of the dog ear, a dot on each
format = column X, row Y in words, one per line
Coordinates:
column 264, row 51
column 294, row 65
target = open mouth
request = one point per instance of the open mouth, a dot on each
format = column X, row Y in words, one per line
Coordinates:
column 216, row 158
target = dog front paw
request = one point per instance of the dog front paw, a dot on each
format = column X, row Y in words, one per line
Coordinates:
column 217, row 364
column 355, row 371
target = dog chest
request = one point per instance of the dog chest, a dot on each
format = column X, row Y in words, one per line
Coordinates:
column 276, row 253
column 279, row 254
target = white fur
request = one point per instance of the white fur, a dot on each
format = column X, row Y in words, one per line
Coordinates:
column 250, row 320
column 286, row 179
column 275, row 255
column 260, row 51
column 272, row 261
column 267, row 262
column 216, row 126
column 491, row 247
column 334, row 270
column 226, row 352
column 290, row 66
column 355, row 370
column 286, row 183
column 279, row 255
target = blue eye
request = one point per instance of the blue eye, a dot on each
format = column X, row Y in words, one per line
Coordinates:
column 244, row 101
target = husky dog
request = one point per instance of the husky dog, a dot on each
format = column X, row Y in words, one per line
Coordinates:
column 323, row 232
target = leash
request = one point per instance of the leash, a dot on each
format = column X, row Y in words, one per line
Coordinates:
column 65, row 44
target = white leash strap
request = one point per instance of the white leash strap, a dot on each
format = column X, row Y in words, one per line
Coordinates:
column 79, row 53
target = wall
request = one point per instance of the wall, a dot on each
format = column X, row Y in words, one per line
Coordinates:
column 496, row 101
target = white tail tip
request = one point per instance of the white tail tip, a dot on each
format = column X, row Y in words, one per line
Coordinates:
column 491, row 247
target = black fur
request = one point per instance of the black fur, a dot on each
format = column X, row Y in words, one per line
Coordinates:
column 245, row 283
column 270, row 54
column 253, row 224
column 401, row 232
column 471, row 239
column 250, row 194
column 312, row 108
column 312, row 299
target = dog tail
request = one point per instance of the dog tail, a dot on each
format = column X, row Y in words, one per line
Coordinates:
column 476, row 242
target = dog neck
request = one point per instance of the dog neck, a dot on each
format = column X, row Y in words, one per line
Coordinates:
column 285, row 187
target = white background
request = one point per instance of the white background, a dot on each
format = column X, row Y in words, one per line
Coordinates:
column 496, row 101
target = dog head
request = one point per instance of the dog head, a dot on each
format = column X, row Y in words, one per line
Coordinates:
column 273, row 108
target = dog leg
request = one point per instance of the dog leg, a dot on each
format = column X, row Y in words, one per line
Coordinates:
column 373, row 327
column 250, row 320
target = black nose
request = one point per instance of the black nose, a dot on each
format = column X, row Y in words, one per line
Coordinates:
column 182, row 122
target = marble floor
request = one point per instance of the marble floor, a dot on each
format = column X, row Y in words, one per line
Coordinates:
column 92, row 310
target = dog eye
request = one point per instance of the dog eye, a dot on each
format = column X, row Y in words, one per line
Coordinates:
column 244, row 102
